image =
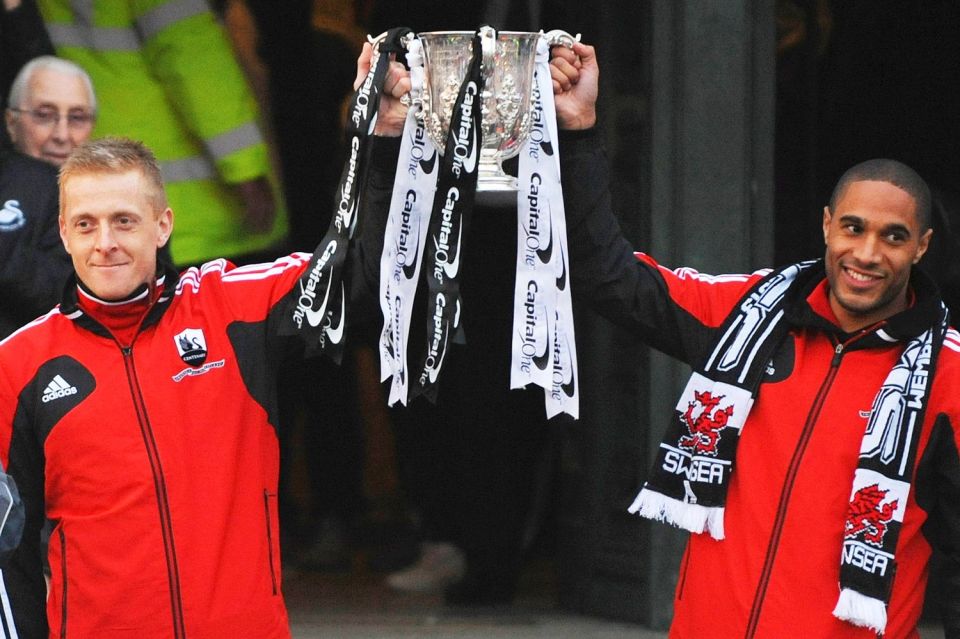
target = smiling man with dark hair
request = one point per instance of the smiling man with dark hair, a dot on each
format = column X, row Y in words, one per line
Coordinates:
column 813, row 453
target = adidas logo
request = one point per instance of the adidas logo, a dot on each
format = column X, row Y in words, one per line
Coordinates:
column 57, row 388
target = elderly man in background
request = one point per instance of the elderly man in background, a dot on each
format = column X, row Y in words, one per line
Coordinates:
column 51, row 109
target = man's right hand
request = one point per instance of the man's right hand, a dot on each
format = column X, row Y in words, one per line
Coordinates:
column 392, row 113
column 576, row 77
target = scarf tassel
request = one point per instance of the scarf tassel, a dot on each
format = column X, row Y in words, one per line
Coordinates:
column 861, row 610
column 692, row 517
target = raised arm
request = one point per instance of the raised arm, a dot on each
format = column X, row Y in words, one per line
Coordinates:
column 673, row 312
column 378, row 186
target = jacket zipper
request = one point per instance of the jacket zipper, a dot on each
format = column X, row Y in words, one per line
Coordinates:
column 266, row 511
column 163, row 504
column 63, row 576
column 788, row 483
column 683, row 572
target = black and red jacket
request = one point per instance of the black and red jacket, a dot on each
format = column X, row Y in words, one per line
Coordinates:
column 776, row 574
column 157, row 461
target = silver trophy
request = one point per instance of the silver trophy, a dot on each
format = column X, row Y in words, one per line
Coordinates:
column 508, row 65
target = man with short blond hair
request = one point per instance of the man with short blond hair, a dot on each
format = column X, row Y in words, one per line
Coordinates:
column 117, row 156
column 140, row 417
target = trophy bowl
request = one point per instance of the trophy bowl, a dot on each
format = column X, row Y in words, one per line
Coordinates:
column 508, row 65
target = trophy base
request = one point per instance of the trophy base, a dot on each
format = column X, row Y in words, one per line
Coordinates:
column 496, row 188
column 499, row 198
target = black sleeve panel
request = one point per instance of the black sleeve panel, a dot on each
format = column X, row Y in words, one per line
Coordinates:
column 938, row 493
column 259, row 352
column 40, row 406
column 26, row 590
column 604, row 270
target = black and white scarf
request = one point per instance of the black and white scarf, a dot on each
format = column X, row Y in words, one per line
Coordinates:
column 690, row 477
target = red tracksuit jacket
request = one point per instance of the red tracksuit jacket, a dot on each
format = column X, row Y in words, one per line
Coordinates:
column 776, row 574
column 778, row 567
column 158, row 463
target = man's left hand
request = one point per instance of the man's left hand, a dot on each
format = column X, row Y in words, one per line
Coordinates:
column 392, row 113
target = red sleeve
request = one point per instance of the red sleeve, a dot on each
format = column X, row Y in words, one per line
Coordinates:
column 709, row 298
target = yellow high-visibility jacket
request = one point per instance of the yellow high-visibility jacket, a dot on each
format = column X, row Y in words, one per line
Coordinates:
column 164, row 73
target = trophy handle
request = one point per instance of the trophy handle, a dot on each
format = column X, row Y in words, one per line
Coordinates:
column 559, row 37
column 404, row 39
column 488, row 49
column 376, row 40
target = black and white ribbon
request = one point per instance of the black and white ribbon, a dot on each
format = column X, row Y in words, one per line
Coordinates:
column 318, row 311
column 449, row 221
column 406, row 234
column 543, row 348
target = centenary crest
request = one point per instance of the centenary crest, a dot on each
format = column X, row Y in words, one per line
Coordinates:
column 192, row 346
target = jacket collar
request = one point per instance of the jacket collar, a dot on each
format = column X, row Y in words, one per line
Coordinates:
column 70, row 307
column 905, row 325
